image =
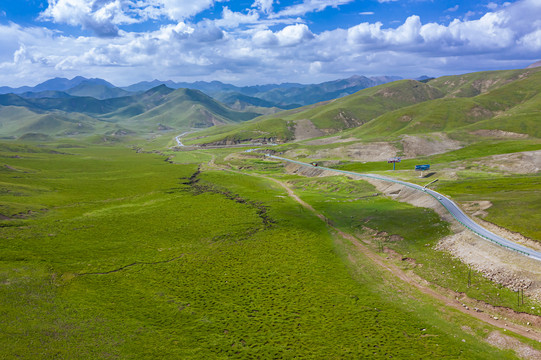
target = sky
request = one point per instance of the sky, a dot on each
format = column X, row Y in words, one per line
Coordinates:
column 251, row 42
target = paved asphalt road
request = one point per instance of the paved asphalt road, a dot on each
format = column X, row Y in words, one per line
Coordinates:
column 177, row 138
column 459, row 215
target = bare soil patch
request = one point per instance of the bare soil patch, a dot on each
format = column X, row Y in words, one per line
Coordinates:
column 505, row 342
column 305, row 129
column 436, row 143
column 476, row 208
column 330, row 140
column 527, row 162
column 509, row 269
column 499, row 134
column 379, row 151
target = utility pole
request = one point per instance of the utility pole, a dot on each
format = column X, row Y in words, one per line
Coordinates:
column 394, row 161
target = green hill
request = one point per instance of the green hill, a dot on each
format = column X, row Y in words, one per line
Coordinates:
column 512, row 106
column 98, row 91
column 188, row 108
column 16, row 121
column 472, row 84
column 329, row 117
column 140, row 113
column 503, row 100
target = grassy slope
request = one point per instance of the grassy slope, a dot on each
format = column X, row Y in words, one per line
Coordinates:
column 350, row 204
column 516, row 200
column 180, row 108
column 514, row 103
column 275, row 128
column 189, row 108
column 16, row 121
column 473, row 84
column 367, row 104
column 208, row 280
column 506, row 100
column 340, row 114
column 10, row 119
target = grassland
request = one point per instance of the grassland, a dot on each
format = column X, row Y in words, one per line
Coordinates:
column 504, row 100
column 110, row 253
column 337, row 115
column 411, row 233
column 470, row 153
column 515, row 200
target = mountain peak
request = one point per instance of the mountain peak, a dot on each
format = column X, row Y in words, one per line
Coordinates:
column 160, row 89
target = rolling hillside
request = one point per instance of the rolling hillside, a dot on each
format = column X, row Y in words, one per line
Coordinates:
column 157, row 108
column 192, row 108
column 457, row 105
column 509, row 102
column 98, row 91
column 284, row 96
column 56, row 84
column 329, row 117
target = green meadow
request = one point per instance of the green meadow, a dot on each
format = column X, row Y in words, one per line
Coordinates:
column 515, row 198
column 411, row 232
column 111, row 253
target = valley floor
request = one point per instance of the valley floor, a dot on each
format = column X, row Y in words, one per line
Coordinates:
column 108, row 252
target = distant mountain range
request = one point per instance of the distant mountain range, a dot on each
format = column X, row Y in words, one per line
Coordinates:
column 56, row 84
column 283, row 96
column 499, row 102
column 157, row 109
column 81, row 106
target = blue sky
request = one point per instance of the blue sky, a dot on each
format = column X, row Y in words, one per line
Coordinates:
column 262, row 41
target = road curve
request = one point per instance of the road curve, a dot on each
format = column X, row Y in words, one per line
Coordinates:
column 177, row 138
column 447, row 203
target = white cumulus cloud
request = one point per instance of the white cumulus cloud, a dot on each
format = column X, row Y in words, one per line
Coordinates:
column 255, row 45
column 104, row 16
column 294, row 35
column 308, row 6
column 265, row 6
column 183, row 9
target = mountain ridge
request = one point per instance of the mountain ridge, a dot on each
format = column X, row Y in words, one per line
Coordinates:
column 155, row 109
column 284, row 95
column 497, row 100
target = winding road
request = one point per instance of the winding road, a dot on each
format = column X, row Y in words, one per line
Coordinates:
column 453, row 209
column 177, row 138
